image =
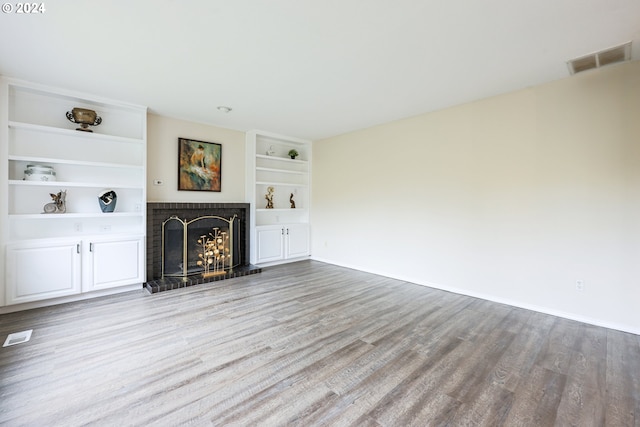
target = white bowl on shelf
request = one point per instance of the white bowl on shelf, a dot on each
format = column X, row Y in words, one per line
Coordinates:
column 39, row 173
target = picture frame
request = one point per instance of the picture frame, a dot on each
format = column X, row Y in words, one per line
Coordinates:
column 199, row 165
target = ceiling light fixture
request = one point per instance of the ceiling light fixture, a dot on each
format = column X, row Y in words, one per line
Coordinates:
column 224, row 109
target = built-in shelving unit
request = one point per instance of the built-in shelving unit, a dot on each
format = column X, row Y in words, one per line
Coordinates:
column 281, row 233
column 35, row 131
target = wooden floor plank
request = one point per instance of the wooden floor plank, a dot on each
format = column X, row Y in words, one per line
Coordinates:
column 310, row 344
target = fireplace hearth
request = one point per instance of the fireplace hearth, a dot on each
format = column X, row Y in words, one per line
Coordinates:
column 160, row 213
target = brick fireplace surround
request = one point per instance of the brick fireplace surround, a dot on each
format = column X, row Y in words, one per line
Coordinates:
column 157, row 213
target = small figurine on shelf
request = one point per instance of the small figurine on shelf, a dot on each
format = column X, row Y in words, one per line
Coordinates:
column 269, row 197
column 59, row 203
column 293, row 202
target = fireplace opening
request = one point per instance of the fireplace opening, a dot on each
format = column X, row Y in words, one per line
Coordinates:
column 169, row 245
column 206, row 245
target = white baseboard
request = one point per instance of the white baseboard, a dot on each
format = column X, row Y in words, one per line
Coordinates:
column 283, row 261
column 488, row 297
column 71, row 298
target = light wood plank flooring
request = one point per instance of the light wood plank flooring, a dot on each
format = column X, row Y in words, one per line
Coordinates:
column 311, row 344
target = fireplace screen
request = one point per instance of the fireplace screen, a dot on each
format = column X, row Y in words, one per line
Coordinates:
column 207, row 245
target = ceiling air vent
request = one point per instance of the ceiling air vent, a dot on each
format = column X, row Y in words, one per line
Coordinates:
column 600, row 59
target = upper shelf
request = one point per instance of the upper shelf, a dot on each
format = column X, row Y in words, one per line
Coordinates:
column 73, row 133
column 45, row 109
column 72, row 184
column 284, row 159
column 74, row 215
column 36, row 159
column 281, row 171
column 281, row 184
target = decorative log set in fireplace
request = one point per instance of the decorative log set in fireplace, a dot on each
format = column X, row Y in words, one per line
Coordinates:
column 173, row 250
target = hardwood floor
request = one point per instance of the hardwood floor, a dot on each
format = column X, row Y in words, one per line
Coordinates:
column 310, row 344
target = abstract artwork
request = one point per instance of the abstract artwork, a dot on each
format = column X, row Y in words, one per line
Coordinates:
column 199, row 165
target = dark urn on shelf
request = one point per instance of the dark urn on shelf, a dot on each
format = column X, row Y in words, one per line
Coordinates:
column 84, row 117
column 107, row 200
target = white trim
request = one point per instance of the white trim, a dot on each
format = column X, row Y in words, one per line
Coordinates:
column 488, row 297
column 71, row 298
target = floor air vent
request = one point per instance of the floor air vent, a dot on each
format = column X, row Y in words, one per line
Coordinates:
column 18, row 338
column 600, row 59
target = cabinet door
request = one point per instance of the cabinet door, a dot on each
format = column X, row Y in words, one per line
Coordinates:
column 112, row 263
column 269, row 241
column 297, row 236
column 42, row 270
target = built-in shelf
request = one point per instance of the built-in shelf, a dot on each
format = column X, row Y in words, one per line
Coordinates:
column 54, row 216
column 280, row 184
column 282, row 210
column 73, row 133
column 78, row 249
column 70, row 184
column 281, row 171
column 283, row 159
column 33, row 159
column 280, row 234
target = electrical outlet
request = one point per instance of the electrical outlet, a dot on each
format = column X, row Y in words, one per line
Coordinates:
column 158, row 182
column 77, row 226
column 105, row 227
column 579, row 286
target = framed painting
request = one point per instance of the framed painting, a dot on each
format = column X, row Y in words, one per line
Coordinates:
column 199, row 165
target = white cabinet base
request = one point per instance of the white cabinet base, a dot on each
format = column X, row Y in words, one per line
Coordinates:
column 51, row 268
column 297, row 240
column 114, row 263
column 42, row 270
column 270, row 244
column 281, row 243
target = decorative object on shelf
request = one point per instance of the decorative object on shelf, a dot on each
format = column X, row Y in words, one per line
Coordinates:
column 269, row 197
column 39, row 173
column 293, row 153
column 59, row 203
column 293, row 202
column 84, row 117
column 271, row 151
column 199, row 165
column 107, row 200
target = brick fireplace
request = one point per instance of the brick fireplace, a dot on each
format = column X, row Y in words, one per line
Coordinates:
column 157, row 213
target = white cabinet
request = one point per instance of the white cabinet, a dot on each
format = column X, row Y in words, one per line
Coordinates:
column 296, row 240
column 34, row 130
column 281, row 242
column 43, row 269
column 51, row 268
column 269, row 243
column 272, row 171
column 112, row 263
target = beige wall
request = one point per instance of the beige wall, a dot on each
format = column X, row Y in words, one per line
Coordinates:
column 162, row 160
column 512, row 198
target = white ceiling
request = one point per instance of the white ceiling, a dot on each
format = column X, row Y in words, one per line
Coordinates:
column 310, row 69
